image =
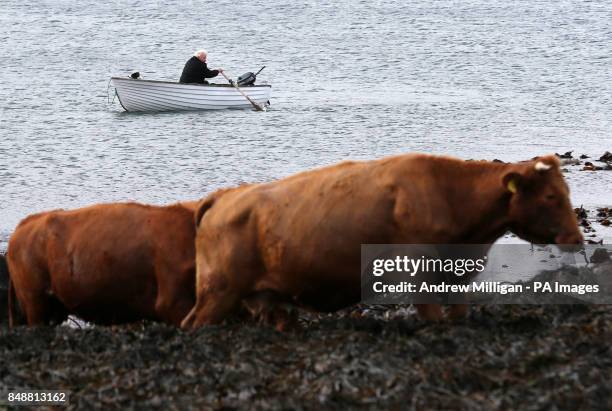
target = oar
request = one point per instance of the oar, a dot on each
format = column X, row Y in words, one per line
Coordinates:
column 257, row 106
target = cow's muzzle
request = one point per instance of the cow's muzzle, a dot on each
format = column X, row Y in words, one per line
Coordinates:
column 569, row 241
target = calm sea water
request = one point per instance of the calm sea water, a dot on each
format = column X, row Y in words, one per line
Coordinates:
column 354, row 80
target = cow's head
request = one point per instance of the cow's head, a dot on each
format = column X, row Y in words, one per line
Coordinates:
column 540, row 209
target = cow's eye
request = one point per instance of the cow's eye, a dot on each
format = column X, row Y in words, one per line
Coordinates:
column 550, row 197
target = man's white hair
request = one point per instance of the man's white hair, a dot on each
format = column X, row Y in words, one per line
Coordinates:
column 200, row 52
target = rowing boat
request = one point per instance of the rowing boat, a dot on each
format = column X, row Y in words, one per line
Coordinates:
column 153, row 95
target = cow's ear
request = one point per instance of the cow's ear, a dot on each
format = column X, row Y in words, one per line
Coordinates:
column 546, row 163
column 512, row 181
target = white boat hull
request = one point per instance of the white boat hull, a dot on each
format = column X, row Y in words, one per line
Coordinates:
column 150, row 95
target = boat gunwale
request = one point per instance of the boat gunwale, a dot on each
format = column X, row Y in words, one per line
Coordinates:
column 187, row 84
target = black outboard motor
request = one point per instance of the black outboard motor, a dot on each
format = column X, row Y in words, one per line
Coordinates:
column 248, row 79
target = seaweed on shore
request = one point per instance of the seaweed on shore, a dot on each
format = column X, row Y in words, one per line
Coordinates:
column 517, row 357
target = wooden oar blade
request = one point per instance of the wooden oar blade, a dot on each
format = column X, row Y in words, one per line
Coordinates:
column 250, row 100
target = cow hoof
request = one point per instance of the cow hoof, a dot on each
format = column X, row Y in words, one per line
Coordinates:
column 188, row 323
column 430, row 312
column 288, row 325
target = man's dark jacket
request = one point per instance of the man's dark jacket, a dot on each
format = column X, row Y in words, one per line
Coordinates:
column 196, row 71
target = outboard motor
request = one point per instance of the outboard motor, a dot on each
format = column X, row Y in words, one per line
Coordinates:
column 248, row 79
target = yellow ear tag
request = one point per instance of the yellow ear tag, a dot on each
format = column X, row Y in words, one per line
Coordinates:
column 512, row 186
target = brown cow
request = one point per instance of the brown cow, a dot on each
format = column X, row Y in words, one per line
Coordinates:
column 107, row 264
column 298, row 239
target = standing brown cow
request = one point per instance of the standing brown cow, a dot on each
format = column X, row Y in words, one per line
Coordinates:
column 298, row 239
column 108, row 263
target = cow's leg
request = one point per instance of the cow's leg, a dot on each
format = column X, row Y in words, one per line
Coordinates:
column 214, row 310
column 430, row 312
column 458, row 311
column 212, row 306
column 271, row 308
column 173, row 309
column 36, row 311
column 226, row 272
column 43, row 309
column 175, row 296
column 31, row 289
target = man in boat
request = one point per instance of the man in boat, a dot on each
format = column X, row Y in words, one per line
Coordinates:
column 196, row 70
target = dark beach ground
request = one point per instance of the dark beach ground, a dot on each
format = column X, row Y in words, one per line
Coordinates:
column 509, row 357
